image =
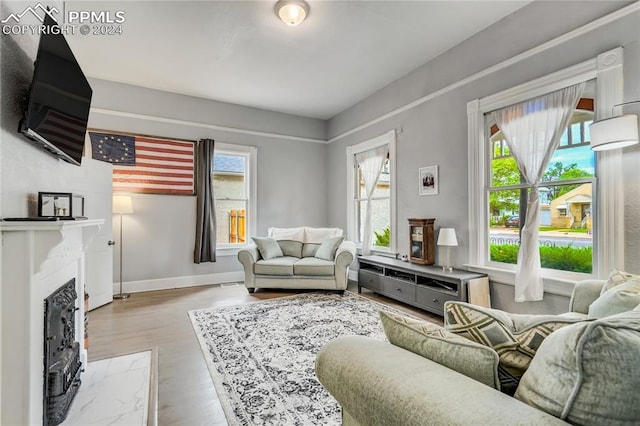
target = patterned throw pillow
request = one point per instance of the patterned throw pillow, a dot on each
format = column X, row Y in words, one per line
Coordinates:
column 433, row 342
column 617, row 278
column 515, row 338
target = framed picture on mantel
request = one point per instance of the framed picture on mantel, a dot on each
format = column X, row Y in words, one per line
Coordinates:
column 55, row 204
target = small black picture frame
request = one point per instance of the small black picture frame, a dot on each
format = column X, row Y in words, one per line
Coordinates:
column 55, row 204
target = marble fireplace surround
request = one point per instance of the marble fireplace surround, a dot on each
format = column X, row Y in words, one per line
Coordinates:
column 37, row 258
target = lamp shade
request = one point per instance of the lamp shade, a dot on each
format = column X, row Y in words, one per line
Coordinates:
column 122, row 204
column 447, row 237
column 292, row 12
column 615, row 132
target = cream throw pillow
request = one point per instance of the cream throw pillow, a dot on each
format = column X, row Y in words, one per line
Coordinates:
column 616, row 278
column 619, row 298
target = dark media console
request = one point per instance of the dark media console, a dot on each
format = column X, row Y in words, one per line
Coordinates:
column 426, row 287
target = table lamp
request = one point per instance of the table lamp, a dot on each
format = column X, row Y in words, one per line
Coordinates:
column 447, row 238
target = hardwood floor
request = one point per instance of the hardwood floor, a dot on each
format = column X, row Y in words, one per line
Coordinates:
column 159, row 320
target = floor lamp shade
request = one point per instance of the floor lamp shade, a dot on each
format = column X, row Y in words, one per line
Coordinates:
column 122, row 204
column 615, row 132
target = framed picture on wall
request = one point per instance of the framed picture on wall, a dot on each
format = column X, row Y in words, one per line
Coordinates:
column 428, row 180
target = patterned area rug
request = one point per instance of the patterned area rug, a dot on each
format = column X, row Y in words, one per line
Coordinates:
column 261, row 355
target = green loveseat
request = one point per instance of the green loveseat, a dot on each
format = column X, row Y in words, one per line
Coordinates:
column 584, row 373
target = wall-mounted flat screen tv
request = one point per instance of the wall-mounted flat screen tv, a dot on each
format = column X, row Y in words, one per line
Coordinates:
column 59, row 99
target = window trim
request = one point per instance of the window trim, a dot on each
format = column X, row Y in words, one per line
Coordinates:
column 608, row 242
column 251, row 179
column 388, row 138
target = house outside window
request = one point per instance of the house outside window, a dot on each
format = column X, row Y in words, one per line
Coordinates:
column 233, row 179
column 383, row 200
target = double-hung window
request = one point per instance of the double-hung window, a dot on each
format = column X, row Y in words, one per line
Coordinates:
column 566, row 227
column 581, row 232
column 234, row 188
column 382, row 201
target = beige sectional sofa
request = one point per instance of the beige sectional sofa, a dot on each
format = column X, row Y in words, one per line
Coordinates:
column 298, row 258
column 583, row 372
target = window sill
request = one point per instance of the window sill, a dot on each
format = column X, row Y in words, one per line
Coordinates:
column 560, row 284
column 378, row 252
column 228, row 251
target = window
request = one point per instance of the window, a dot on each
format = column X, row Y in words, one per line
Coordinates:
column 383, row 200
column 380, row 205
column 233, row 178
column 566, row 229
column 606, row 210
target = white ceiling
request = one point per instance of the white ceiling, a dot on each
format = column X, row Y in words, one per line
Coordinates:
column 240, row 52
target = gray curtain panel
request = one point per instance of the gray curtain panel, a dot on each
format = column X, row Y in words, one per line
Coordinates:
column 205, row 249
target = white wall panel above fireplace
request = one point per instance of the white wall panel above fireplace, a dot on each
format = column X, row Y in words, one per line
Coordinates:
column 37, row 258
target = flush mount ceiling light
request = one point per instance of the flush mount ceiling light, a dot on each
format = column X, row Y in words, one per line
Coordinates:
column 292, row 12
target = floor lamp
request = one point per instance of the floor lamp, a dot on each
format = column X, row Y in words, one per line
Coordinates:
column 122, row 204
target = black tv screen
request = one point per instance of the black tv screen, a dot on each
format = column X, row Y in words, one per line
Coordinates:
column 59, row 100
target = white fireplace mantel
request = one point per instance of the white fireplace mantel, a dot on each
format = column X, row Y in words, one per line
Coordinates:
column 37, row 258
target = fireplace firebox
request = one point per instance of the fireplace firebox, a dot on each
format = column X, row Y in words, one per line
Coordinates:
column 62, row 365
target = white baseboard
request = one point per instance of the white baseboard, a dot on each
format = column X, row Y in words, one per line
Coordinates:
column 353, row 275
column 178, row 282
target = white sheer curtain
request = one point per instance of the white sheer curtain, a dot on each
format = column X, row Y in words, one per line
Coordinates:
column 532, row 130
column 370, row 164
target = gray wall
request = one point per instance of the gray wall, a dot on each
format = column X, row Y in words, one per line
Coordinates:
column 435, row 132
column 159, row 236
column 24, row 168
column 303, row 183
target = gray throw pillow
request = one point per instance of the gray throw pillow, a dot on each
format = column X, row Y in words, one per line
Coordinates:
column 309, row 249
column 268, row 247
column 291, row 248
column 328, row 248
column 587, row 373
column 439, row 345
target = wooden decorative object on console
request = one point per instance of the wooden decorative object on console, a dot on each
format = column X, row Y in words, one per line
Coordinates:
column 421, row 241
